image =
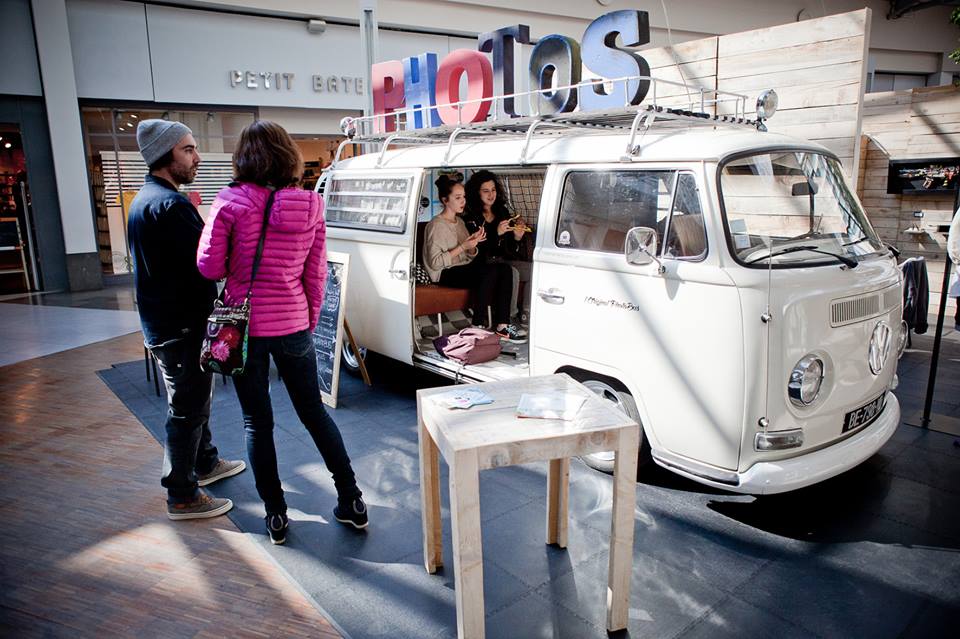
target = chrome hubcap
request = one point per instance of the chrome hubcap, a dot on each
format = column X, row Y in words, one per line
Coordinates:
column 608, row 393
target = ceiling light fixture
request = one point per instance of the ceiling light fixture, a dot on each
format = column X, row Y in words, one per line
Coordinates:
column 7, row 145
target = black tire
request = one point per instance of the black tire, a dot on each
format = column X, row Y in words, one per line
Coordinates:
column 349, row 359
column 604, row 461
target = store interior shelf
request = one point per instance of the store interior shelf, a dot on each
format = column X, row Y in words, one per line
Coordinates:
column 12, row 244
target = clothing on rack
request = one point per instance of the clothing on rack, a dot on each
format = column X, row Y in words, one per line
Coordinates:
column 916, row 294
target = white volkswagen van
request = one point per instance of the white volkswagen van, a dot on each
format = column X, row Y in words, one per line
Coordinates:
column 722, row 285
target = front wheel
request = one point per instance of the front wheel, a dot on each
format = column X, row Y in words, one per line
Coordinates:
column 623, row 400
column 351, row 360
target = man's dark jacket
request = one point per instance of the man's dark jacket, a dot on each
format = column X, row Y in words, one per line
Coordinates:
column 164, row 231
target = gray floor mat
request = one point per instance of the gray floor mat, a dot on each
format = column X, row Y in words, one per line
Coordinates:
column 873, row 552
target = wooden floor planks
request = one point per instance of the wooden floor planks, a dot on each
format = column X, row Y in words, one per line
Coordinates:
column 87, row 549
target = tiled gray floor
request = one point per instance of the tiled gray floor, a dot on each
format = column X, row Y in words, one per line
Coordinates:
column 27, row 331
column 873, row 552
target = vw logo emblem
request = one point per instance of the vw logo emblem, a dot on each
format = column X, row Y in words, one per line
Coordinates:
column 879, row 347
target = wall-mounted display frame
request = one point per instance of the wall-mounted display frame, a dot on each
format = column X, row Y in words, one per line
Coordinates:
column 923, row 175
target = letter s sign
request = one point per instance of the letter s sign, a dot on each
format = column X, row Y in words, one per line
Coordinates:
column 602, row 56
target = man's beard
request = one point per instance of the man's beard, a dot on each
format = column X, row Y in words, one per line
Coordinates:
column 183, row 175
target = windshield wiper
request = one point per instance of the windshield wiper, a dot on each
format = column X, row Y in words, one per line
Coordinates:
column 852, row 242
column 893, row 250
column 852, row 263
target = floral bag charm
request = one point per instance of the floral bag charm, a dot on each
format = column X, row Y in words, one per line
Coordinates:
column 224, row 348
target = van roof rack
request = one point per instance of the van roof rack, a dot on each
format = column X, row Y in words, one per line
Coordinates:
column 690, row 107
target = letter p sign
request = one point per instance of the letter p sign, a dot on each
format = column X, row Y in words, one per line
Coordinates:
column 388, row 95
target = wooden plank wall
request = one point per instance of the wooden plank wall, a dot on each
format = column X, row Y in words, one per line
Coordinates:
column 817, row 67
column 902, row 125
column 692, row 63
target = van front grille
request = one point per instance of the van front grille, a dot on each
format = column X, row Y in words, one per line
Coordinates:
column 861, row 307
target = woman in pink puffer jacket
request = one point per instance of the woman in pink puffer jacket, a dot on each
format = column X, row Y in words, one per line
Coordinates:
column 284, row 308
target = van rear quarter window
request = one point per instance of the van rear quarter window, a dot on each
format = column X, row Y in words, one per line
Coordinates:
column 374, row 203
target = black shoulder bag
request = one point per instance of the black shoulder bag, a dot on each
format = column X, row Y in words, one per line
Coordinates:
column 224, row 348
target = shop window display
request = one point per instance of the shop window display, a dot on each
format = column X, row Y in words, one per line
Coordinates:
column 16, row 247
column 116, row 168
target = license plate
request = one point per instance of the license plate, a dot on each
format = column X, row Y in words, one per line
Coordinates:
column 865, row 414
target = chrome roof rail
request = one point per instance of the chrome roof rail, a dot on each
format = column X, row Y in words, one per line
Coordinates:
column 691, row 107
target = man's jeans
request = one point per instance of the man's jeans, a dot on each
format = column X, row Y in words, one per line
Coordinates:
column 188, row 451
column 297, row 362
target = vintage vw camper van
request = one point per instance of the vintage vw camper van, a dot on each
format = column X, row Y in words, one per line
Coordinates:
column 719, row 283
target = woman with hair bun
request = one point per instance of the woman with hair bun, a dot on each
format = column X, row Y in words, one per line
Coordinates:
column 449, row 252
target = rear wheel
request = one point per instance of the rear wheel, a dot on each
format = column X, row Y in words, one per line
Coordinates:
column 624, row 402
column 350, row 359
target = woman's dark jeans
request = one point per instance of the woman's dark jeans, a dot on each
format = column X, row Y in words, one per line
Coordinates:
column 490, row 284
column 296, row 360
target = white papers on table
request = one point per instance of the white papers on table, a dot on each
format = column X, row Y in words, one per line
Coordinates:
column 463, row 398
column 555, row 405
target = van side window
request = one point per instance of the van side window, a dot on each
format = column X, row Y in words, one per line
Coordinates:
column 686, row 236
column 374, row 203
column 599, row 207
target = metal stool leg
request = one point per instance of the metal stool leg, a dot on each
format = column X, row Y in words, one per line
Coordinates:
column 146, row 361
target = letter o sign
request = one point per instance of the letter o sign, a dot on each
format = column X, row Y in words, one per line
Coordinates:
column 479, row 74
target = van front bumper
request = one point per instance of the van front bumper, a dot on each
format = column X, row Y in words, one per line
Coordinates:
column 768, row 478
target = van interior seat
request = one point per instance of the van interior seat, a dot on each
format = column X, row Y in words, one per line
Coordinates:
column 430, row 299
column 688, row 238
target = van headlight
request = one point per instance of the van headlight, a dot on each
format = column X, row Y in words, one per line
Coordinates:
column 805, row 381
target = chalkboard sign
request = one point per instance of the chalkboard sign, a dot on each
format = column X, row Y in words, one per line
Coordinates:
column 328, row 334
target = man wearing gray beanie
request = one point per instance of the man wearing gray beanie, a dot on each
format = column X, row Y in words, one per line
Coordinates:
column 174, row 301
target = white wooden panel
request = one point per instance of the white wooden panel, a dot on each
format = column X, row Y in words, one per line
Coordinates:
column 702, row 49
column 783, row 81
column 804, row 56
column 845, row 25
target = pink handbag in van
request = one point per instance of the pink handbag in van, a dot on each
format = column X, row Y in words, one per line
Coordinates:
column 470, row 346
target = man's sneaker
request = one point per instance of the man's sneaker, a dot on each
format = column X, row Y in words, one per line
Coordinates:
column 277, row 527
column 224, row 468
column 204, row 507
column 512, row 334
column 353, row 513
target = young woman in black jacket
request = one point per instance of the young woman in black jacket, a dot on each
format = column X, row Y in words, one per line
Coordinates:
column 487, row 208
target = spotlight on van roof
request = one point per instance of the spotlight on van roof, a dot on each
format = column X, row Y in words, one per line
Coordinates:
column 767, row 104
column 348, row 126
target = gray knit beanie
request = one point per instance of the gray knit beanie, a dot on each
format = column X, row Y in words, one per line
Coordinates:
column 156, row 137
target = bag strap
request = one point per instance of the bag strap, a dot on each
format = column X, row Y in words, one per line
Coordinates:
column 263, row 236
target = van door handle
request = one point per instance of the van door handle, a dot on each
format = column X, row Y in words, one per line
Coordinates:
column 551, row 296
column 398, row 273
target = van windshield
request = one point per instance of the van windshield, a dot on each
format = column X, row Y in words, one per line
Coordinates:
column 793, row 208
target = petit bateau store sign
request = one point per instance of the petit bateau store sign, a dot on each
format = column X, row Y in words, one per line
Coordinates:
column 284, row 81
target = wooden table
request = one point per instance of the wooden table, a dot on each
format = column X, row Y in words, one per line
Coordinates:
column 491, row 436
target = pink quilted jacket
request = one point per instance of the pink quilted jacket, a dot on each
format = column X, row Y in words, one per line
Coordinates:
column 288, row 291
